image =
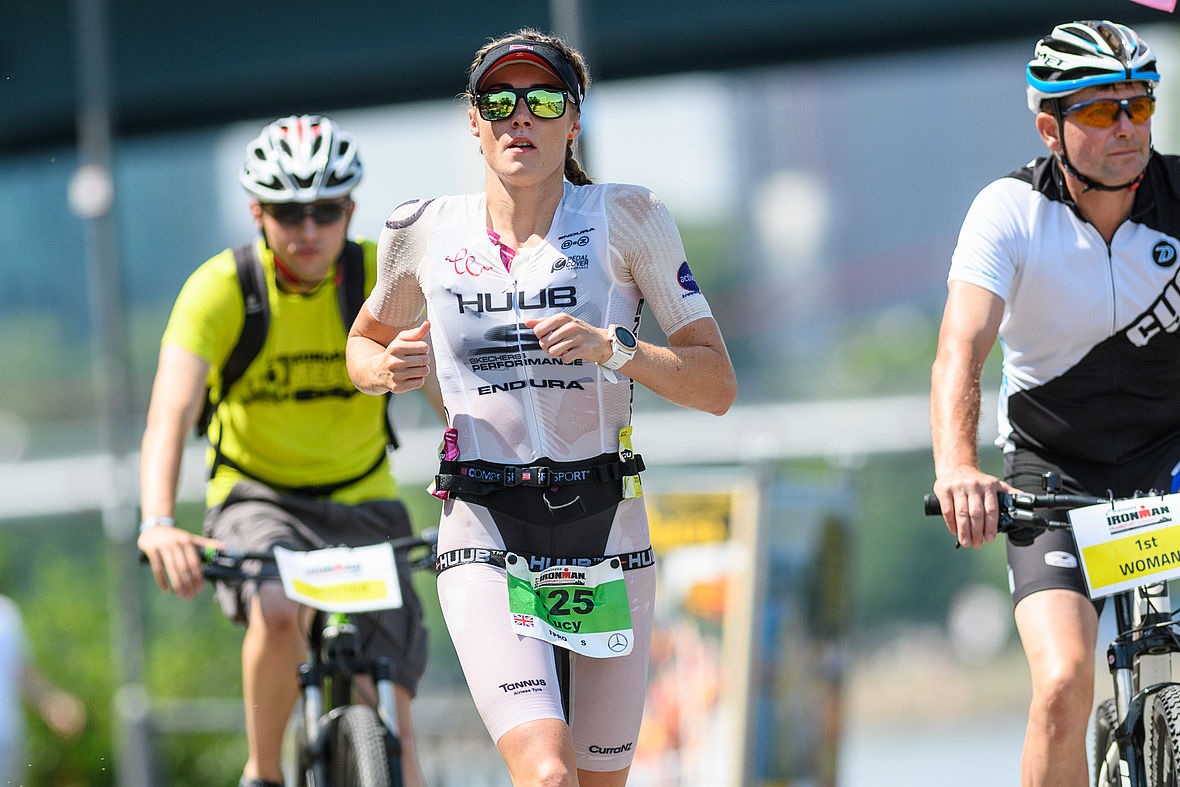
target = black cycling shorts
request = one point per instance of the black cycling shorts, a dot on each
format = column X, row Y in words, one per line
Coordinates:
column 1051, row 561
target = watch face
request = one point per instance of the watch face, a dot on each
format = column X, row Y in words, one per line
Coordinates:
column 625, row 337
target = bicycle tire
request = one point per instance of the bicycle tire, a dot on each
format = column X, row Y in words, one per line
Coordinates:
column 1105, row 749
column 358, row 757
column 1163, row 737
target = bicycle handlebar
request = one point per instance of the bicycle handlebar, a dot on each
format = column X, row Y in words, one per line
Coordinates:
column 1022, row 501
column 227, row 563
column 1018, row 517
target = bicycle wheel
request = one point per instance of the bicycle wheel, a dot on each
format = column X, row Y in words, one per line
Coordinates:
column 358, row 756
column 1105, row 753
column 1163, row 737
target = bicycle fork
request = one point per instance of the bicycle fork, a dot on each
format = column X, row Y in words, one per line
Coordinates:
column 313, row 710
column 1137, row 662
column 1127, row 758
column 387, row 713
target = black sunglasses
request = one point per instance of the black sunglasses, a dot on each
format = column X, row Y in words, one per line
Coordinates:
column 293, row 213
column 498, row 103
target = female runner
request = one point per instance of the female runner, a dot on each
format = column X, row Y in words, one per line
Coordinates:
column 533, row 292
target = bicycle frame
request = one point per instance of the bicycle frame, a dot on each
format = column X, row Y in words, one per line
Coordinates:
column 326, row 678
column 333, row 660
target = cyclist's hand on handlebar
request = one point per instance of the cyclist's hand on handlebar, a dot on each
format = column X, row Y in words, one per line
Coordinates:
column 970, row 506
column 176, row 562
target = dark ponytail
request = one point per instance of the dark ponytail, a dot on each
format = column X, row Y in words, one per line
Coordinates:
column 573, row 170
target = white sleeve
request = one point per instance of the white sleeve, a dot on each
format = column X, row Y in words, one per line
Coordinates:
column 993, row 241
column 646, row 252
column 397, row 298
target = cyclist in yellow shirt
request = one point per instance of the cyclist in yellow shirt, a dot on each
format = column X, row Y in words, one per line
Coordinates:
column 297, row 455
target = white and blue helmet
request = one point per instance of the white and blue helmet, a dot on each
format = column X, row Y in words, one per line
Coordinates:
column 1078, row 55
column 301, row 159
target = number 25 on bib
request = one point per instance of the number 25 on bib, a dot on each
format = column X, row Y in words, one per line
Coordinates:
column 582, row 608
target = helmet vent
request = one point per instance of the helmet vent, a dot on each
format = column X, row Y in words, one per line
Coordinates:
column 301, row 159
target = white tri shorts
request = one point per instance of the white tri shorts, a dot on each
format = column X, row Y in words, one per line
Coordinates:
column 514, row 679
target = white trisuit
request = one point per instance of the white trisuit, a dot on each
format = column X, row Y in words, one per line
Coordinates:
column 609, row 249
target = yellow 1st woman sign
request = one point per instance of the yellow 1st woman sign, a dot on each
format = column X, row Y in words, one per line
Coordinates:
column 1127, row 543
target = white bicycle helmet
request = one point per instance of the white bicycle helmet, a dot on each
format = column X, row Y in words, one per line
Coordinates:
column 301, row 159
column 1078, row 55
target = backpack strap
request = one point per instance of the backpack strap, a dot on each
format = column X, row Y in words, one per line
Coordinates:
column 350, row 282
column 350, row 290
column 252, row 280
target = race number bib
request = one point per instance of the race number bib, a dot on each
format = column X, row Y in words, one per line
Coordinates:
column 341, row 579
column 1128, row 543
column 582, row 608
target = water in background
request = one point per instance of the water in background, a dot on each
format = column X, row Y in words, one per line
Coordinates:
column 980, row 752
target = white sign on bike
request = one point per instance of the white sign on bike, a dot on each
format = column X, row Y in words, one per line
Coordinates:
column 1128, row 543
column 341, row 579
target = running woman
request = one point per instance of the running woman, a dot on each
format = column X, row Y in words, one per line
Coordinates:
column 532, row 293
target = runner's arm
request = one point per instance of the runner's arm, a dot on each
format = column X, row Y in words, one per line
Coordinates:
column 693, row 371
column 383, row 358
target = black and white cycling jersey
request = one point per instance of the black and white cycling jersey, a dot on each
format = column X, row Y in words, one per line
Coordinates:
column 1089, row 331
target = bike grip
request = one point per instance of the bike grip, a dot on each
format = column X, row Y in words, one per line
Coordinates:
column 931, row 505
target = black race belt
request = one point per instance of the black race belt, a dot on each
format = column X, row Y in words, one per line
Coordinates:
column 495, row 557
column 482, row 477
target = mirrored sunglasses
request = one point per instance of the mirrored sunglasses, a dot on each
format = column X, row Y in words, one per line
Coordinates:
column 544, row 102
column 293, row 213
column 1104, row 112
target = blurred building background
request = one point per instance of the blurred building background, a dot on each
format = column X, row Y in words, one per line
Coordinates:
column 818, row 161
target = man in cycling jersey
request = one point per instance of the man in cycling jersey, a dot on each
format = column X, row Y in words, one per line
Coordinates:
column 297, row 454
column 1071, row 261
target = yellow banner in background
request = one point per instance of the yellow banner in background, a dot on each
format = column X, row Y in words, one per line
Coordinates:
column 682, row 518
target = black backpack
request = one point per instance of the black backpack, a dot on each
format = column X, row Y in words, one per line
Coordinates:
column 252, row 279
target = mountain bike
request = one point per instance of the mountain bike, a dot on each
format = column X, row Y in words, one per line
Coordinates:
column 1137, row 731
column 339, row 742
